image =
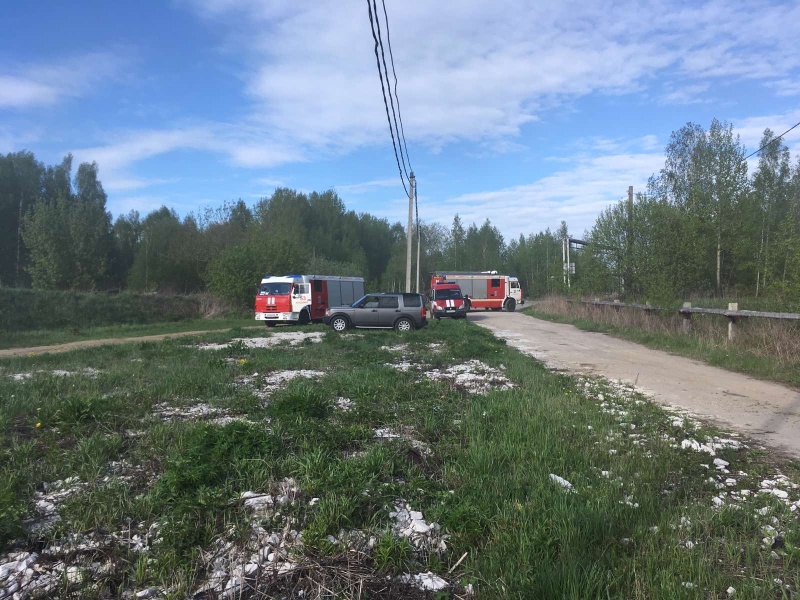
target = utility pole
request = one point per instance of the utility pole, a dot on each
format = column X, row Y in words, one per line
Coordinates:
column 628, row 284
column 412, row 183
column 419, row 240
column 419, row 232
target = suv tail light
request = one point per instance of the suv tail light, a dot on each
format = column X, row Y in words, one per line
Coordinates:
column 422, row 312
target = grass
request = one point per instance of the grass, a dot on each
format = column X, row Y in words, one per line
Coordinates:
column 763, row 348
column 46, row 337
column 641, row 523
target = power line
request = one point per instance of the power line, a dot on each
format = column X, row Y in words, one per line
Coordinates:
column 383, row 91
column 394, row 73
column 388, row 83
column 775, row 139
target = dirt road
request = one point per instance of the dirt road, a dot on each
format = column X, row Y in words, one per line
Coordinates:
column 766, row 411
column 104, row 342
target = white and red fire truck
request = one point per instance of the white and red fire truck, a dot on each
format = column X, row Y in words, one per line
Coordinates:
column 484, row 289
column 303, row 298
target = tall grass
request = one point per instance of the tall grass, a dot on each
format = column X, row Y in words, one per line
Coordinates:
column 765, row 348
column 25, row 310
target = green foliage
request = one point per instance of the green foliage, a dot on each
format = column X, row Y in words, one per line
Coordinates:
column 234, row 276
column 68, row 236
column 38, row 309
column 11, row 512
column 302, row 401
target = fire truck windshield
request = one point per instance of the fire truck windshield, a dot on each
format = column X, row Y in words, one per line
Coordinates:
column 446, row 294
column 274, row 289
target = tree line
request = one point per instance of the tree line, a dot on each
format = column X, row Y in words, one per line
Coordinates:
column 703, row 226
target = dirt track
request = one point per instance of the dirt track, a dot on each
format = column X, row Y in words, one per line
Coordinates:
column 765, row 411
column 66, row 347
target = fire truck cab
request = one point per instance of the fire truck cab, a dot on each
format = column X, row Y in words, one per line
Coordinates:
column 484, row 289
column 446, row 300
column 301, row 299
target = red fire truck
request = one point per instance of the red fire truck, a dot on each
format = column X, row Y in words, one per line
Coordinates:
column 300, row 299
column 484, row 289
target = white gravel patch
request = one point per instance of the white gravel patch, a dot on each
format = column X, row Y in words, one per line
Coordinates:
column 406, row 434
column 263, row 386
column 47, row 503
column 25, row 376
column 474, row 377
column 396, row 348
column 195, row 412
column 288, row 338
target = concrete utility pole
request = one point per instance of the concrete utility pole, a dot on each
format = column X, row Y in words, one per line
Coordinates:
column 419, row 241
column 627, row 283
column 412, row 183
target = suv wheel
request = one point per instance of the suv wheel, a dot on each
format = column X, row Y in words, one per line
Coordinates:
column 339, row 324
column 404, row 324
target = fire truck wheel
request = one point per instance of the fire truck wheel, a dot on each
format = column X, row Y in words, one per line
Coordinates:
column 269, row 323
column 511, row 305
column 467, row 304
column 404, row 324
column 305, row 318
column 340, row 324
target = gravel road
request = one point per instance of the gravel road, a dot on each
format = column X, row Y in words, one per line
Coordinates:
column 765, row 411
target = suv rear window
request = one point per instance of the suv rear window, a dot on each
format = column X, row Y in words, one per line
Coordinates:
column 412, row 300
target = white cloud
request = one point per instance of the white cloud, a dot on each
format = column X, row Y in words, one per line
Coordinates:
column 576, row 193
column 143, row 204
column 29, row 86
column 472, row 70
column 271, row 181
column 368, row 186
column 236, row 143
column 688, row 94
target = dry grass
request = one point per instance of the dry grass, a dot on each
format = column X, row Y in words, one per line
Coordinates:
column 212, row 307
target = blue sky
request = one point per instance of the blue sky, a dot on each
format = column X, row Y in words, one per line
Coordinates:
column 522, row 112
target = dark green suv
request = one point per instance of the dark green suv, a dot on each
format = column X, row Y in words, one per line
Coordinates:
column 403, row 312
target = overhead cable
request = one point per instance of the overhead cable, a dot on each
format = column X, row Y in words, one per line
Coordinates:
column 775, row 139
column 391, row 58
column 383, row 91
column 389, row 84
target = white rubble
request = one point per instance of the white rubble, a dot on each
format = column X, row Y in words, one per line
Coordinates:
column 411, row 524
column 474, row 376
column 425, row 581
column 195, row 412
column 87, row 372
column 562, row 482
column 264, row 386
column 290, row 338
column 406, row 434
column 344, row 404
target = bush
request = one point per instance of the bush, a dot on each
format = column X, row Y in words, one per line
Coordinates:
column 24, row 310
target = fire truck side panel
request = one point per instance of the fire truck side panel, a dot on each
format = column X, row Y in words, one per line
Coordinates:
column 319, row 292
